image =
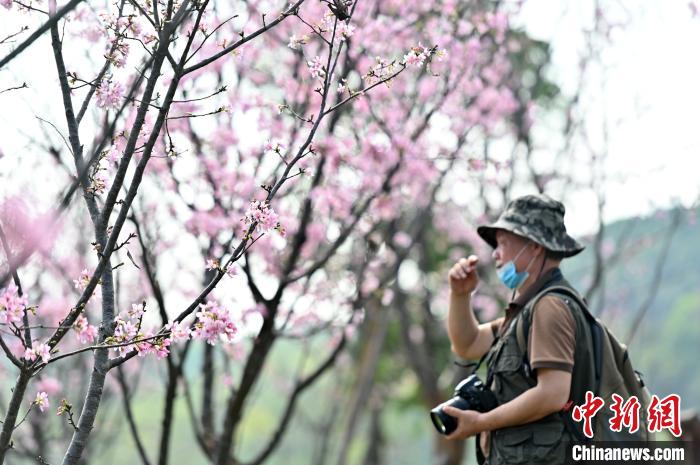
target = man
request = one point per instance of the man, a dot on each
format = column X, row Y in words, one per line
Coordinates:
column 532, row 384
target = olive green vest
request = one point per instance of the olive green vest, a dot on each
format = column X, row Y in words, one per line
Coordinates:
column 543, row 441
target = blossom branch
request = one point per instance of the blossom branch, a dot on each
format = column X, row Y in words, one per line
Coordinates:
column 292, row 8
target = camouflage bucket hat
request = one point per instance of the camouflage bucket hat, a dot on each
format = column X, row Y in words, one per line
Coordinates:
column 538, row 218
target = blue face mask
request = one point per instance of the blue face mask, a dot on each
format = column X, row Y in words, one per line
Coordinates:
column 509, row 275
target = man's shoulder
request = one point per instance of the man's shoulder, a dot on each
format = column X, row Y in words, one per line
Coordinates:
column 559, row 295
column 550, row 308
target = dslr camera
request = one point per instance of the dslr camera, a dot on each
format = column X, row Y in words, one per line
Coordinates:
column 470, row 394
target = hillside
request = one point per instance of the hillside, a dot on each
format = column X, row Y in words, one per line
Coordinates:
column 668, row 339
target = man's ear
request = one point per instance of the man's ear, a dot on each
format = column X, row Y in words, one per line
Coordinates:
column 539, row 249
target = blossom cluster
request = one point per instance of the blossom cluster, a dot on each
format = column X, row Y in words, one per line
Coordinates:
column 264, row 216
column 42, row 351
column 109, row 94
column 129, row 336
column 382, row 69
column 12, row 305
column 119, row 29
column 127, row 328
column 83, row 280
column 85, row 332
column 316, row 68
column 345, row 30
column 419, row 54
column 214, row 323
column 152, row 344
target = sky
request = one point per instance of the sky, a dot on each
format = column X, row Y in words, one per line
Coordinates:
column 649, row 95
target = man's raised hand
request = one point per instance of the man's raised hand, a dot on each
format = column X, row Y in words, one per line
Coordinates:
column 463, row 276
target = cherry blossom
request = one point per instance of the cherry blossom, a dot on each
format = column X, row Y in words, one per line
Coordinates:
column 214, row 324
column 109, row 94
column 41, row 400
column 12, row 305
column 84, row 331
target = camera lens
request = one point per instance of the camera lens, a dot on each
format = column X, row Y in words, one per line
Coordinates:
column 444, row 423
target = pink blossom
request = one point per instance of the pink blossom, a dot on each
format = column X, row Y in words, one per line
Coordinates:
column 83, row 280
column 6, row 3
column 124, row 331
column 316, row 68
column 12, row 306
column 161, row 348
column 178, row 331
column 231, row 270
column 212, row 264
column 85, row 332
column 109, row 95
column 263, row 215
column 99, row 182
column 113, row 155
column 158, row 346
column 214, row 323
column 137, row 311
column 416, row 56
column 120, row 54
column 41, row 400
column 42, row 350
column 274, row 146
column 346, row 30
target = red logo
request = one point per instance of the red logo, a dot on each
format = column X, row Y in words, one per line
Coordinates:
column 661, row 413
column 665, row 414
column 587, row 411
column 626, row 414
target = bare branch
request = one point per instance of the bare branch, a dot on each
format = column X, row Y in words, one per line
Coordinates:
column 36, row 34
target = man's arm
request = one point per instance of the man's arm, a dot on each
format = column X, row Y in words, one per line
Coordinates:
column 549, row 395
column 469, row 339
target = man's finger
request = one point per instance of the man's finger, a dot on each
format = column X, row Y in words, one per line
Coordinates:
column 451, row 411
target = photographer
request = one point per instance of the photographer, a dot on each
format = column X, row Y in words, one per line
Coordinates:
column 532, row 384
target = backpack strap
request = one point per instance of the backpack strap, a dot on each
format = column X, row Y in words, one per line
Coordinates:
column 523, row 335
column 525, row 321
